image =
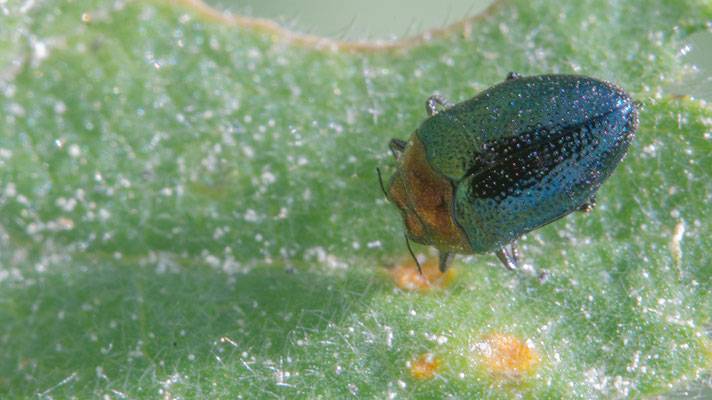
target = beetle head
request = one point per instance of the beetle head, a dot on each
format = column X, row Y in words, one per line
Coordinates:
column 424, row 198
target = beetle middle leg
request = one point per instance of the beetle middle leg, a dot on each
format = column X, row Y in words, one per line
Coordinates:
column 515, row 252
column 430, row 105
column 508, row 259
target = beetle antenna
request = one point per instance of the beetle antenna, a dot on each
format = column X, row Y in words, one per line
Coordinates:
column 407, row 243
column 380, row 180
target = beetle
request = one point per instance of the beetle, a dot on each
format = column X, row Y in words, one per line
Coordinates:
column 476, row 176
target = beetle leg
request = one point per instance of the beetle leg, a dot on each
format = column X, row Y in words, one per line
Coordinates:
column 430, row 106
column 506, row 259
column 445, row 260
column 588, row 205
column 515, row 252
column 512, row 75
column 397, row 147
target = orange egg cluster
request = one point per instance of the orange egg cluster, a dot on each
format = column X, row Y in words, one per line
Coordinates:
column 406, row 276
column 424, row 366
column 507, row 355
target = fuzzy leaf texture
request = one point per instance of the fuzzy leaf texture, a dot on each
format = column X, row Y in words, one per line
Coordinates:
column 189, row 209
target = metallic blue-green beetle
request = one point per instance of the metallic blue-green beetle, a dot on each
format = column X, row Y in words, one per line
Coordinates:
column 476, row 176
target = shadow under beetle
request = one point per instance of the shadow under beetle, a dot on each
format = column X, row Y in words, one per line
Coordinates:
column 477, row 175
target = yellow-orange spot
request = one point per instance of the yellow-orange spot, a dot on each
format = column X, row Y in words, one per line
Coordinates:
column 406, row 276
column 424, row 366
column 507, row 355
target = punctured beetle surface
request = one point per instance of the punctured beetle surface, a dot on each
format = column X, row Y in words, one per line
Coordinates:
column 477, row 175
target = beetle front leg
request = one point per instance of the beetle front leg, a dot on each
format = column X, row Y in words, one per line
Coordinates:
column 445, row 260
column 397, row 147
column 512, row 75
column 430, row 104
column 506, row 259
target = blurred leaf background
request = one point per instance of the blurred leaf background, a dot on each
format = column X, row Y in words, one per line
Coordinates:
column 189, row 208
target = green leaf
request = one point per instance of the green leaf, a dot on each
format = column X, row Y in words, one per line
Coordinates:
column 189, row 208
